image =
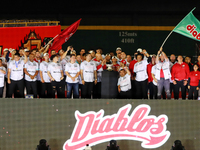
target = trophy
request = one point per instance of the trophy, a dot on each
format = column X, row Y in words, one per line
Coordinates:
column 109, row 67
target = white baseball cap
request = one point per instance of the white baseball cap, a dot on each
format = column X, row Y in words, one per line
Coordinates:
column 46, row 54
column 118, row 48
column 139, row 50
column 26, row 50
column 5, row 49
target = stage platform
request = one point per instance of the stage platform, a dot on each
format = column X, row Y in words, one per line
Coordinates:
column 136, row 124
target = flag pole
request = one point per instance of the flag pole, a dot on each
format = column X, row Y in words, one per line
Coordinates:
column 175, row 27
column 166, row 38
column 51, row 39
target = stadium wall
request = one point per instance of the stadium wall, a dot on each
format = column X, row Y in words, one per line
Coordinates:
column 23, row 122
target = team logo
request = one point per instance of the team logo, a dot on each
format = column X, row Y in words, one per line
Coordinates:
column 192, row 30
column 95, row 128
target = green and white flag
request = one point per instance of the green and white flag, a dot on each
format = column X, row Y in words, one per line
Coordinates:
column 189, row 27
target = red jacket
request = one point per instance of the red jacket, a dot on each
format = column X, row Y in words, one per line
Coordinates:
column 149, row 67
column 180, row 71
column 194, row 78
column 100, row 65
column 131, row 66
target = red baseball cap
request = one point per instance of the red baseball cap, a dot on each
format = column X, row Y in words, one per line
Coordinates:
column 123, row 61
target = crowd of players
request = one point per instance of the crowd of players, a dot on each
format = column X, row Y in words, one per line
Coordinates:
column 44, row 76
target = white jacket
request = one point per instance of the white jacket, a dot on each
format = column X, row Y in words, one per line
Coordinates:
column 166, row 69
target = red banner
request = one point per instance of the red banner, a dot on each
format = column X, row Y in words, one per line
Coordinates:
column 27, row 37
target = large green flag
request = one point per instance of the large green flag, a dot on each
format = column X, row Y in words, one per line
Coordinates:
column 189, row 27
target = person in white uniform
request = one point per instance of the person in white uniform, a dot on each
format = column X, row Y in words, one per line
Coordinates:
column 2, row 76
column 46, row 88
column 55, row 73
column 31, row 72
column 72, row 71
column 124, row 83
column 16, row 73
column 88, row 76
column 140, row 69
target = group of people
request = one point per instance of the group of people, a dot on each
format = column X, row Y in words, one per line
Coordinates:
column 49, row 75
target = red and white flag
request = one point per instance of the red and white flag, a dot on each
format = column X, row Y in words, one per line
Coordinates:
column 63, row 37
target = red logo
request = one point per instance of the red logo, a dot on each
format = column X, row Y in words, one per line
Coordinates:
column 95, row 128
column 194, row 33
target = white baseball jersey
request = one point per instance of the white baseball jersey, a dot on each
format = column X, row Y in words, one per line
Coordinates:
column 44, row 68
column 31, row 68
column 88, row 71
column 2, row 76
column 72, row 69
column 55, row 70
column 140, row 68
column 17, row 71
column 125, row 83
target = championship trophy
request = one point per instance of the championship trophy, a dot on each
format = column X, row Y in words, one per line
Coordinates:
column 109, row 67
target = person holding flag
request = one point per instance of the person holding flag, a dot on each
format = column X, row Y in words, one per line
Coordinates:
column 189, row 26
column 63, row 37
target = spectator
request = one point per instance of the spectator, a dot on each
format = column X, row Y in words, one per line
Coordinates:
column 112, row 145
column 81, row 54
column 131, row 68
column 172, row 62
column 128, row 60
column 150, row 78
column 98, row 51
column 38, row 59
column 72, row 71
column 188, row 61
column 53, row 52
column 92, row 53
column 123, row 56
column 194, row 82
column 88, row 74
column 118, row 52
column 79, row 61
column 46, row 88
column 163, row 74
column 124, row 83
column 100, row 65
column 140, row 68
column 43, row 145
column 112, row 54
column 177, row 145
column 3, row 58
column 31, row 71
column 180, row 72
column 115, row 66
column 108, row 58
column 122, row 63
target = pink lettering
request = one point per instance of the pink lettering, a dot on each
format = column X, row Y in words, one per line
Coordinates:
column 194, row 33
column 93, row 128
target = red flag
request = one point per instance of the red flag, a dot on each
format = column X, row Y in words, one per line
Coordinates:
column 64, row 36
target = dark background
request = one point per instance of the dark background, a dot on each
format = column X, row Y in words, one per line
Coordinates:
column 140, row 13
column 113, row 13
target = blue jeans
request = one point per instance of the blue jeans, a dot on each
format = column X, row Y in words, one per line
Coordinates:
column 75, row 87
column 166, row 84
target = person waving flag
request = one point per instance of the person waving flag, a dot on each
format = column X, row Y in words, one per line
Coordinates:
column 189, row 26
column 64, row 36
